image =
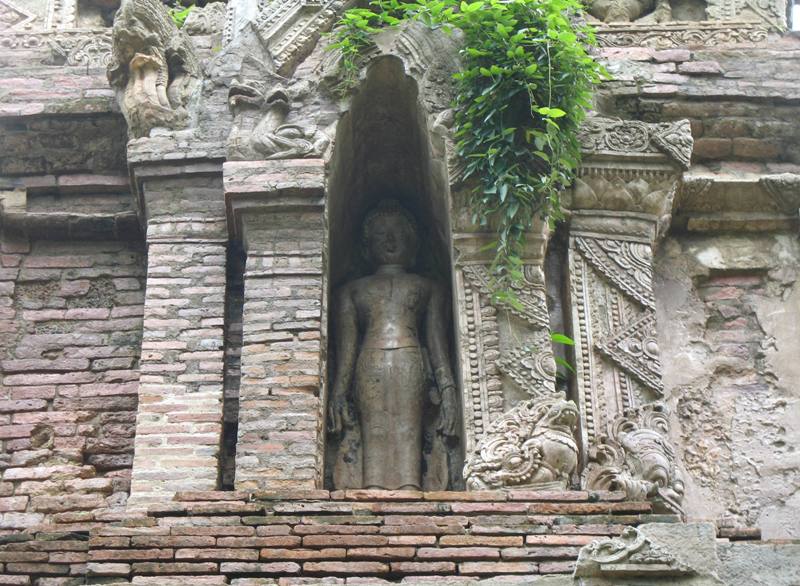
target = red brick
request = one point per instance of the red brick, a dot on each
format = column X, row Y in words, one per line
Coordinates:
column 107, row 555
column 213, row 554
column 174, row 568
column 232, row 530
column 259, row 568
column 556, row 567
column 588, row 508
column 276, row 541
column 107, row 569
column 303, row 554
column 548, row 495
column 536, row 553
column 412, row 540
column 344, row 540
column 379, row 495
column 173, row 541
column 458, row 553
column 23, row 556
column 479, row 495
column 490, row 507
column 35, row 568
column 335, row 529
column 496, row 568
column 461, row 540
column 423, row 567
column 560, row 539
column 346, row 568
column 381, row 553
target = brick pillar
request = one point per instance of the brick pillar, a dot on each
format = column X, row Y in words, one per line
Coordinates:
column 179, row 421
column 277, row 209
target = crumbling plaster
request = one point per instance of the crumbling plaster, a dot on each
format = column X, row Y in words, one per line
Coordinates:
column 728, row 318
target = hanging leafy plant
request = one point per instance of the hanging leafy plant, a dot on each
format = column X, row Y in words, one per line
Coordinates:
column 526, row 84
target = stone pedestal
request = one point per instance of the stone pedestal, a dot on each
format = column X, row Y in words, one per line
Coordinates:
column 277, row 209
column 179, row 422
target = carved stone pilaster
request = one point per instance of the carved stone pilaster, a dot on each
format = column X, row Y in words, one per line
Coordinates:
column 621, row 201
column 508, row 373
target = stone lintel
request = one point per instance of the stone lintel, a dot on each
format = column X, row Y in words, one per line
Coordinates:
column 709, row 202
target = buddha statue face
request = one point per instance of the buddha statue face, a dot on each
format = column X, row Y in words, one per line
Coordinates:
column 390, row 239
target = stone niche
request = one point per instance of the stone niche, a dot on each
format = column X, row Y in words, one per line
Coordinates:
column 383, row 157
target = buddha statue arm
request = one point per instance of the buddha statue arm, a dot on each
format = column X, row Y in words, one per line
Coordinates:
column 346, row 339
column 435, row 329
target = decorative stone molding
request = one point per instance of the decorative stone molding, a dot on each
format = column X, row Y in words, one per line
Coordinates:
column 154, row 68
column 530, row 446
column 637, row 458
column 627, row 139
column 680, row 34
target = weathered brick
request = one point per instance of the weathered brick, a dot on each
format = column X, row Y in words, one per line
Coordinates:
column 497, row 568
column 459, row 553
column 216, row 554
column 328, row 553
column 260, row 568
column 344, row 540
column 423, row 567
column 346, row 568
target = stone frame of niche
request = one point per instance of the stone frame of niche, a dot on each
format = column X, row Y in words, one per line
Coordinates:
column 384, row 149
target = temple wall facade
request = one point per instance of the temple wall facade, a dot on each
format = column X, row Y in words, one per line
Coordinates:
column 180, row 209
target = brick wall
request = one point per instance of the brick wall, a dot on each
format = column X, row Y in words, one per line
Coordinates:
column 70, row 323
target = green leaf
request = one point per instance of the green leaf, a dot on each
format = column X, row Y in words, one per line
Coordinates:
column 561, row 362
column 561, row 339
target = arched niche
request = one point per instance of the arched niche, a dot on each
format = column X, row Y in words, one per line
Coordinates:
column 383, row 150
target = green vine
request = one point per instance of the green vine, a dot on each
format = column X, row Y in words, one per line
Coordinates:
column 526, row 84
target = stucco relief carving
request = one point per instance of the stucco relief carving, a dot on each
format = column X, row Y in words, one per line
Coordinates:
column 154, row 68
column 624, row 555
column 609, row 136
column 519, row 355
column 681, row 34
column 13, row 16
column 92, row 49
column 532, row 446
column 260, row 128
column 206, row 20
column 785, row 191
column 637, row 457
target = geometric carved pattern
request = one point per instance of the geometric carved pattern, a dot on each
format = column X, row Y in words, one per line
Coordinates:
column 668, row 35
column 628, row 265
column 531, row 297
column 531, row 365
column 635, row 350
column 12, row 16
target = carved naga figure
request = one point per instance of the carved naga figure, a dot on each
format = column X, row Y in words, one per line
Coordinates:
column 153, row 68
column 260, row 130
column 533, row 445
